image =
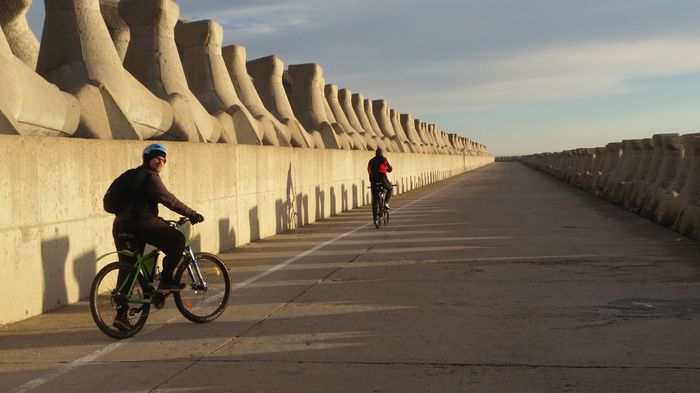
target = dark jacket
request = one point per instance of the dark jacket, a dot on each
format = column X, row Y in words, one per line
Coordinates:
column 149, row 191
column 378, row 167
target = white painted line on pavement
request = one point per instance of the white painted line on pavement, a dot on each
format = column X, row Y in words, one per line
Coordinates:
column 37, row 382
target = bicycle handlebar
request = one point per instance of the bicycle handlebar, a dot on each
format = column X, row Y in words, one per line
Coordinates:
column 179, row 222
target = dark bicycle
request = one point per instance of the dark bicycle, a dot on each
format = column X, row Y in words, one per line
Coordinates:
column 380, row 213
column 131, row 288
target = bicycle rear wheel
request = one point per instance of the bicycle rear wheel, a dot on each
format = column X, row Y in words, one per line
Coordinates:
column 203, row 302
column 106, row 302
column 377, row 215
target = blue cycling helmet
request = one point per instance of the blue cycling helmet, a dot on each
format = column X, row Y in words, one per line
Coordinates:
column 154, row 150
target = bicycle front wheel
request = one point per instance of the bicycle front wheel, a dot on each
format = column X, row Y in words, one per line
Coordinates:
column 207, row 288
column 386, row 217
column 117, row 312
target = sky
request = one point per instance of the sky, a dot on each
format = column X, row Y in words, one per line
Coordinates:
column 520, row 76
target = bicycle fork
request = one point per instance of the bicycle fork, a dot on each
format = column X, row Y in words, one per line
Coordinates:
column 193, row 270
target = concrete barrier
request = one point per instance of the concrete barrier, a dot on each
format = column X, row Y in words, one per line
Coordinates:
column 667, row 171
column 359, row 107
column 153, row 58
column 267, row 73
column 280, row 134
column 199, row 46
column 77, row 54
column 309, row 104
column 345, row 101
column 665, row 205
column 655, row 177
column 624, row 173
column 29, row 105
column 53, row 227
column 687, row 202
column 338, row 114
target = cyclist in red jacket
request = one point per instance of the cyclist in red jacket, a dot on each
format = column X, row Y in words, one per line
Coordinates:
column 377, row 168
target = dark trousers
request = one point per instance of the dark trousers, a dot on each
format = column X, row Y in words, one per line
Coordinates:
column 384, row 181
column 156, row 232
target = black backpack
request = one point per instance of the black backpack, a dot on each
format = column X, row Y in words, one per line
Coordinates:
column 121, row 192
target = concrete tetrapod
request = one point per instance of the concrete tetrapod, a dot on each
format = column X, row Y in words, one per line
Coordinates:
column 199, row 44
column 267, row 74
column 29, row 105
column 77, row 54
column 594, row 170
column 369, row 112
column 462, row 142
column 358, row 106
column 456, row 142
column 624, row 173
column 13, row 20
column 118, row 29
column 433, row 135
column 309, row 104
column 584, row 166
column 409, row 125
column 622, row 193
column 420, row 127
column 681, row 190
column 339, row 129
column 400, row 132
column 152, row 57
column 235, row 59
column 380, row 110
column 640, row 188
column 345, row 101
column 613, row 152
column 673, row 155
column 331, row 93
column 442, row 135
column 688, row 220
column 665, row 205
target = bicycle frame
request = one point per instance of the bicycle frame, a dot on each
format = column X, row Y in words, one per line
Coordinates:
column 146, row 265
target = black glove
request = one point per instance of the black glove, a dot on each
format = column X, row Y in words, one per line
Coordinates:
column 196, row 218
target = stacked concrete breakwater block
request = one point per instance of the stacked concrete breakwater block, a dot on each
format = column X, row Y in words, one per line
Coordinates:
column 657, row 178
column 130, row 69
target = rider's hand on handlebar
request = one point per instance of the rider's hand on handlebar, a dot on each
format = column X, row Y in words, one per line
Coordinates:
column 196, row 218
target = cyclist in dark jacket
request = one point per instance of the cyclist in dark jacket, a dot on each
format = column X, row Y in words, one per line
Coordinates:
column 140, row 217
column 377, row 168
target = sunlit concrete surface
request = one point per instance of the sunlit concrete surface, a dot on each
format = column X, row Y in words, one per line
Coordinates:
column 499, row 280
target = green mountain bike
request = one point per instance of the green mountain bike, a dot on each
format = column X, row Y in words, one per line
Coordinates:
column 130, row 289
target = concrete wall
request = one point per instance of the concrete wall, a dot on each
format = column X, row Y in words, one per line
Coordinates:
column 52, row 226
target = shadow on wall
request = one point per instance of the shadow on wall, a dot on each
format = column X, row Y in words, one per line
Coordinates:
column 54, row 255
column 254, row 220
column 320, row 203
column 84, row 270
column 334, row 209
column 343, row 198
column 303, row 207
column 355, row 196
column 227, row 235
column 286, row 212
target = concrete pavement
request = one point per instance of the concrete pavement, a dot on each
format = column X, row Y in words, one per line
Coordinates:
column 498, row 280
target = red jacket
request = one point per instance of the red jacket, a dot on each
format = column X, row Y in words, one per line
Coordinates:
column 378, row 167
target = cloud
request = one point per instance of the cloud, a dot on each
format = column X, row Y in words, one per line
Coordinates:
column 260, row 19
column 543, row 74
